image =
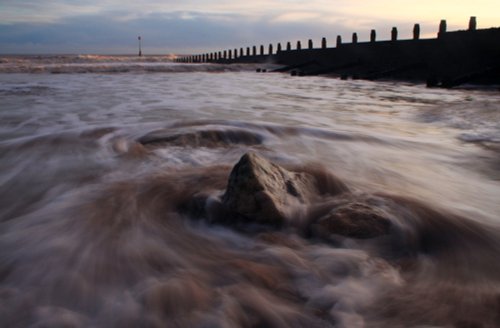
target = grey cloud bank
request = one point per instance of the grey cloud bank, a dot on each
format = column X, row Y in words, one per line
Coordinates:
column 194, row 26
column 179, row 32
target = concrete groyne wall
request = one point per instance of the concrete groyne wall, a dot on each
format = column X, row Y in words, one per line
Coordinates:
column 450, row 59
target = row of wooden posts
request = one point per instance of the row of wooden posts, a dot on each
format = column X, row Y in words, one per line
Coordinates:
column 233, row 54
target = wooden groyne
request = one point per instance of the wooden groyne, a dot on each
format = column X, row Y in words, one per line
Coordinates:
column 451, row 59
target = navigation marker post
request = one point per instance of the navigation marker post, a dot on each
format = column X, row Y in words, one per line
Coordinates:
column 140, row 50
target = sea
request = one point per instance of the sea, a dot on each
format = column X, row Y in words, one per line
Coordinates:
column 101, row 158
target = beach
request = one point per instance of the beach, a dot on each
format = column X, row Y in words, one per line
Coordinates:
column 114, row 208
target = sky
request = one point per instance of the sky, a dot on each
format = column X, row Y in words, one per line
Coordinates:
column 200, row 26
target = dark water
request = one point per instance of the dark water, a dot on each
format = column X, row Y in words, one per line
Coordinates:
column 99, row 174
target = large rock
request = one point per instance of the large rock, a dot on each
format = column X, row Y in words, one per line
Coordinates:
column 263, row 192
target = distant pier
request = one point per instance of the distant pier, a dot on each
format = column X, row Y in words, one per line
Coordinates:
column 452, row 58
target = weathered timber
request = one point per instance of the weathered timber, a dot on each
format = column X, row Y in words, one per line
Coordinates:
column 451, row 59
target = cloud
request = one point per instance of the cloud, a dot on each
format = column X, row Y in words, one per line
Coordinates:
column 202, row 26
column 181, row 32
column 47, row 11
column 296, row 17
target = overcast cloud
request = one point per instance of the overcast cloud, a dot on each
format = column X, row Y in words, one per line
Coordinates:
column 112, row 26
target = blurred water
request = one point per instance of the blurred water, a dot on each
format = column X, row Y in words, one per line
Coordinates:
column 90, row 228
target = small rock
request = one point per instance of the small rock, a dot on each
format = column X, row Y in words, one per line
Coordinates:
column 355, row 219
column 263, row 192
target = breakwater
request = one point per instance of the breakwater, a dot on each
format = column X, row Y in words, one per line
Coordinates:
column 452, row 58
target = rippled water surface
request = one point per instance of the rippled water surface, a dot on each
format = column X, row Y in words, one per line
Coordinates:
column 96, row 170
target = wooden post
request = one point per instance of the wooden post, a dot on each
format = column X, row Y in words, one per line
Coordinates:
column 310, row 44
column 323, row 43
column 278, row 48
column 288, row 46
column 261, row 50
column 225, row 54
column 254, row 51
column 416, row 32
column 394, row 34
column 355, row 38
column 339, row 41
column 241, row 52
column 140, row 46
column 442, row 28
column 270, row 48
column 472, row 23
column 248, row 51
column 299, row 46
column 229, row 54
column 373, row 36
column 220, row 55
column 235, row 53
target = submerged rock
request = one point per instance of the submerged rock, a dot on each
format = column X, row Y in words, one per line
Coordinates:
column 203, row 138
column 263, row 192
column 355, row 219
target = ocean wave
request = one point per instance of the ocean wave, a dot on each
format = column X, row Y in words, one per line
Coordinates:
column 122, row 68
column 118, row 203
column 108, row 64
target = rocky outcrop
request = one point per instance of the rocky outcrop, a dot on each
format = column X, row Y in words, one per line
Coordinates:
column 263, row 192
